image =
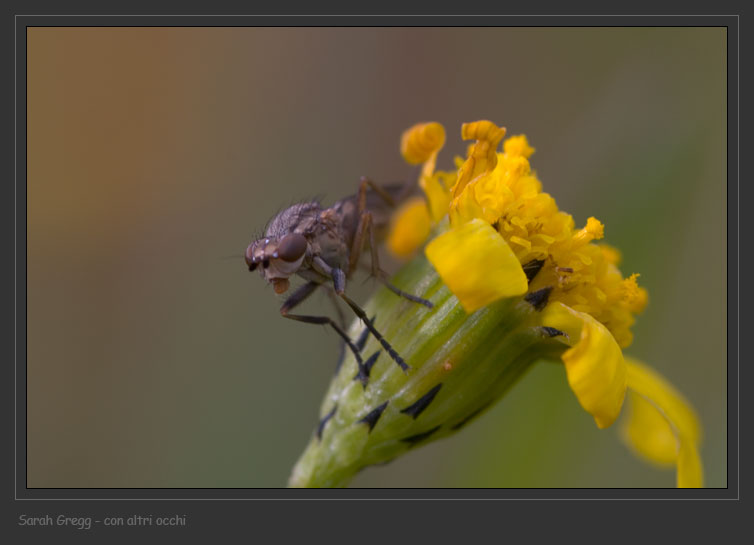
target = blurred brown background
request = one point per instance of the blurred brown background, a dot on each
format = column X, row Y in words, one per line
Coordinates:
column 154, row 153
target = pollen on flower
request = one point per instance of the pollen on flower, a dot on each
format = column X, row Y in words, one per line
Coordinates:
column 518, row 146
column 502, row 190
column 594, row 230
column 634, row 296
column 630, row 288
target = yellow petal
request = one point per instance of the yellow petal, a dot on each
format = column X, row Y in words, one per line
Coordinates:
column 594, row 365
column 674, row 436
column 464, row 208
column 421, row 142
column 482, row 156
column 656, row 389
column 410, row 227
column 612, row 255
column 437, row 195
column 476, row 264
column 690, row 473
column 648, row 433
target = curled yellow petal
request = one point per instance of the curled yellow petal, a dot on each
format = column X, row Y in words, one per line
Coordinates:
column 648, row 433
column 420, row 142
column 651, row 385
column 410, row 227
column 482, row 156
column 594, row 364
column 690, row 473
column 465, row 208
column 476, row 264
column 661, row 425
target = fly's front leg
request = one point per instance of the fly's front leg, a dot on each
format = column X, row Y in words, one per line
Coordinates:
column 339, row 282
column 342, row 321
column 334, row 298
column 298, row 297
column 377, row 335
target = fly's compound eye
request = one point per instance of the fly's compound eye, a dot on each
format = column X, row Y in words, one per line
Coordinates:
column 291, row 247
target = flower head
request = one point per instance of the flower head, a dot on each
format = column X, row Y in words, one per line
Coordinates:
column 513, row 281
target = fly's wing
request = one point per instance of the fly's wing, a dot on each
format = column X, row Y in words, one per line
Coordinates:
column 382, row 211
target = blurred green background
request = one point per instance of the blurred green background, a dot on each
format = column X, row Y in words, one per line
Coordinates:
column 154, row 360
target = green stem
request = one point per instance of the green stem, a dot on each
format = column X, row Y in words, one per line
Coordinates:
column 460, row 365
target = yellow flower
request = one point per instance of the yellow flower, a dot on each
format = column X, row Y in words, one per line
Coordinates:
column 506, row 238
column 410, row 227
column 662, row 427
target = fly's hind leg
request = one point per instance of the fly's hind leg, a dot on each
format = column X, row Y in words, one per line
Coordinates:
column 363, row 230
column 363, row 185
column 382, row 276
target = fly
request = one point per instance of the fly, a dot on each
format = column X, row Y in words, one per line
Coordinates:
column 323, row 246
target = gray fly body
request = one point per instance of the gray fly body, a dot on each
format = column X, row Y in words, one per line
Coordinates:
column 324, row 246
column 289, row 219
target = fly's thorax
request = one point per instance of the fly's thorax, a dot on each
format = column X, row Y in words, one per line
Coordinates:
column 298, row 218
column 347, row 219
column 328, row 241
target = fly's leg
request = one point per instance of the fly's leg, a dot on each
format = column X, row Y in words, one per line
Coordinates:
column 365, row 228
column 342, row 322
column 366, row 182
column 382, row 275
column 298, row 297
column 367, row 322
column 365, row 218
column 334, row 298
column 339, row 281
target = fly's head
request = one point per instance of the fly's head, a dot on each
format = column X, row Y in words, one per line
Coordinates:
column 277, row 258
